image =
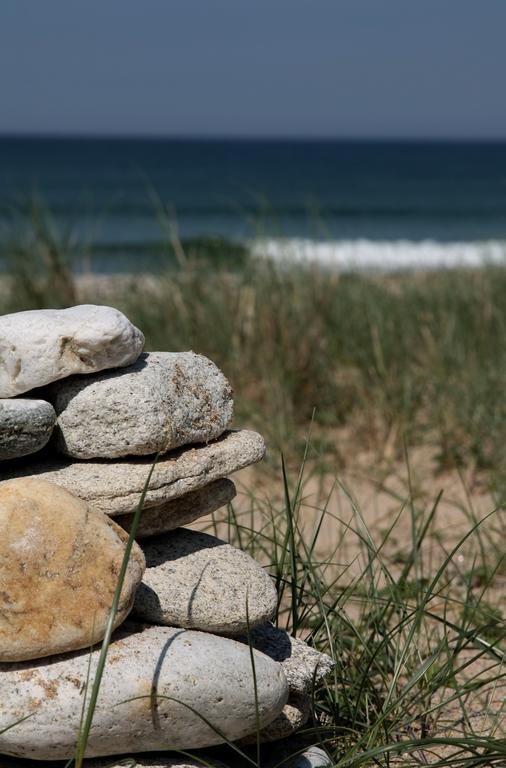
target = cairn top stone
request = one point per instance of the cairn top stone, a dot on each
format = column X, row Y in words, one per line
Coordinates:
column 115, row 487
column 44, row 345
column 25, row 426
column 162, row 401
column 59, row 565
column 197, row 581
column 156, row 684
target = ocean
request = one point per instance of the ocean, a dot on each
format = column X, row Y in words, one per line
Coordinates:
column 345, row 205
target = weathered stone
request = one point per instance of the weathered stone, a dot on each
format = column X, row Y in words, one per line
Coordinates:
column 59, row 564
column 41, row 346
column 25, row 426
column 197, row 581
column 303, row 666
column 115, row 487
column 161, row 402
column 293, row 716
column 181, row 511
column 155, row 686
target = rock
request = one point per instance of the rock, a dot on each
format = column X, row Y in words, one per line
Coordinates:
column 25, row 426
column 197, row 581
column 155, row 682
column 41, row 346
column 303, row 666
column 115, row 487
column 293, row 716
column 181, row 511
column 154, row 761
column 59, row 563
column 163, row 401
column 313, row 757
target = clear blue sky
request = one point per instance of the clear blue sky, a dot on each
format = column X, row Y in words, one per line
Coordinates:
column 357, row 68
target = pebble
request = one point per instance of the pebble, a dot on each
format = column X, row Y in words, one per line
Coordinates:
column 44, row 345
column 156, row 684
column 163, row 401
column 294, row 716
column 59, row 563
column 25, row 426
column 115, row 487
column 197, row 581
column 182, row 511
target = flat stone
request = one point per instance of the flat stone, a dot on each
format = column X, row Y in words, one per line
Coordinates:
column 182, row 511
column 163, row 401
column 153, row 761
column 197, row 581
column 293, row 716
column 115, row 487
column 44, row 345
column 25, row 426
column 303, row 666
column 157, row 687
column 59, row 564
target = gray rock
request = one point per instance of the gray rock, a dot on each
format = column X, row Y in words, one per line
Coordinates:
column 294, row 716
column 115, row 487
column 25, row 426
column 153, row 761
column 303, row 666
column 181, row 511
column 157, row 687
column 44, row 345
column 163, row 401
column 197, row 581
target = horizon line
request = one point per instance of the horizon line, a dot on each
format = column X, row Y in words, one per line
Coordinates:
column 229, row 137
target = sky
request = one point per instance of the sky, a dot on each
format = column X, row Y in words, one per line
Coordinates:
column 254, row 68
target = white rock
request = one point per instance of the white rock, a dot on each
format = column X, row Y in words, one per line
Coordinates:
column 154, row 684
column 197, row 581
column 25, row 426
column 115, row 487
column 313, row 757
column 161, row 402
column 181, row 511
column 41, row 346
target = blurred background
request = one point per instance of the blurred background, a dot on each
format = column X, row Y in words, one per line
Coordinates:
column 314, row 195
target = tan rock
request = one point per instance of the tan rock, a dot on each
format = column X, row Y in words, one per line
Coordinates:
column 181, row 511
column 115, row 487
column 59, row 563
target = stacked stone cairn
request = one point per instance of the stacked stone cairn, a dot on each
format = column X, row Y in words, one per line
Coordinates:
column 83, row 411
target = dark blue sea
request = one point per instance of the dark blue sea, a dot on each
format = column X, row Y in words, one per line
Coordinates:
column 347, row 204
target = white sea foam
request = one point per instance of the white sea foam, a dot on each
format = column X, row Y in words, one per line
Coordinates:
column 382, row 255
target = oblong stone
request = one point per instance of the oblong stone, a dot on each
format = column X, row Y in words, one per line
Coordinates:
column 25, row 426
column 115, row 487
column 59, row 564
column 159, row 688
column 181, row 511
column 163, row 401
column 197, row 581
column 44, row 345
